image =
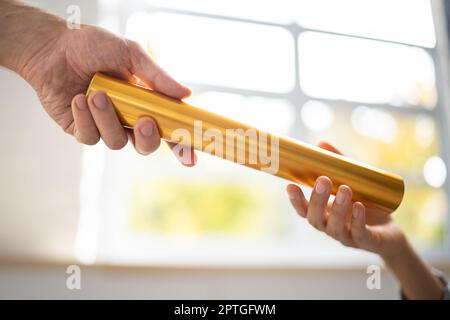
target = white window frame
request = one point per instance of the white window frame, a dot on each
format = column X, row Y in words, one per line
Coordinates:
column 440, row 113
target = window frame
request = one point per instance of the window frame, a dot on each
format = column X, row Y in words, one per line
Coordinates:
column 439, row 54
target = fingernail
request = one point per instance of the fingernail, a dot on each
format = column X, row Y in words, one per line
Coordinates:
column 321, row 187
column 188, row 160
column 194, row 162
column 356, row 212
column 147, row 129
column 81, row 104
column 341, row 197
column 100, row 101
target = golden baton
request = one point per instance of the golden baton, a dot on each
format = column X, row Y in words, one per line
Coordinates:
column 296, row 161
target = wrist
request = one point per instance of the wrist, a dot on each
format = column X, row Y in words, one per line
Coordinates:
column 415, row 277
column 26, row 36
column 399, row 253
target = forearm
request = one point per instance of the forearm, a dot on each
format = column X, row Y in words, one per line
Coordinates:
column 416, row 279
column 24, row 32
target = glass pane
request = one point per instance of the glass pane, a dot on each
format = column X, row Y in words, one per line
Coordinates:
column 270, row 11
column 218, row 52
column 270, row 115
column 405, row 144
column 216, row 198
column 408, row 21
column 423, row 215
column 337, row 67
column 198, row 208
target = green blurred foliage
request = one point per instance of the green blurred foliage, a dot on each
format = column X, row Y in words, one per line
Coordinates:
column 199, row 208
column 423, row 215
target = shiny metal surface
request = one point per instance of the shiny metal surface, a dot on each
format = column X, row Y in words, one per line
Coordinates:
column 298, row 161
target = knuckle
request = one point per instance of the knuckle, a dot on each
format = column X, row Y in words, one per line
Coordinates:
column 318, row 225
column 133, row 44
column 342, row 237
column 311, row 221
column 69, row 128
column 357, row 236
column 117, row 144
column 331, row 232
column 300, row 211
column 341, row 231
column 79, row 139
column 338, row 211
column 90, row 141
column 346, row 242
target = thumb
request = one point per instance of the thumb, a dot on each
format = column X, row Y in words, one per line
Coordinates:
column 153, row 75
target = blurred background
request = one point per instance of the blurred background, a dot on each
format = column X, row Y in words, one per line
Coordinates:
column 370, row 77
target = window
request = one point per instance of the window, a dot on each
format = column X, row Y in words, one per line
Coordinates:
column 313, row 70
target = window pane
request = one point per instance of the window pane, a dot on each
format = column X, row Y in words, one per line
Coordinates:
column 408, row 21
column 337, row 67
column 270, row 115
column 216, row 198
column 153, row 206
column 269, row 11
column 405, row 144
column 218, row 52
column 199, row 208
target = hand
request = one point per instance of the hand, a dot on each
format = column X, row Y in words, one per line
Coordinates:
column 61, row 68
column 349, row 223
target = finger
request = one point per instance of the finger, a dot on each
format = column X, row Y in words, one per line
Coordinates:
column 130, row 134
column 297, row 199
column 146, row 136
column 316, row 213
column 153, row 75
column 359, row 232
column 85, row 130
column 329, row 147
column 105, row 117
column 184, row 154
column 338, row 221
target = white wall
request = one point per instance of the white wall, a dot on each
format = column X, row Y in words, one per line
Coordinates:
column 39, row 169
column 21, row 281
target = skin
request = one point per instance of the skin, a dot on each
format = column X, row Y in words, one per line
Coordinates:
column 353, row 225
column 59, row 62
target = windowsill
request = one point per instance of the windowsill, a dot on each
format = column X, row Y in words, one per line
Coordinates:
column 441, row 264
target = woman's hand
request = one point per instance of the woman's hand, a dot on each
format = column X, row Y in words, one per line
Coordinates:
column 355, row 226
column 350, row 223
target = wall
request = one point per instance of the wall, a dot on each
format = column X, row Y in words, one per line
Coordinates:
column 47, row 281
column 39, row 181
column 39, row 170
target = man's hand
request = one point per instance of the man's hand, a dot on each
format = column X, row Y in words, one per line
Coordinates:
column 59, row 63
column 349, row 223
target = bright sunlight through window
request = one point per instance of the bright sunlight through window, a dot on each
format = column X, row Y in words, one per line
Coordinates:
column 342, row 75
